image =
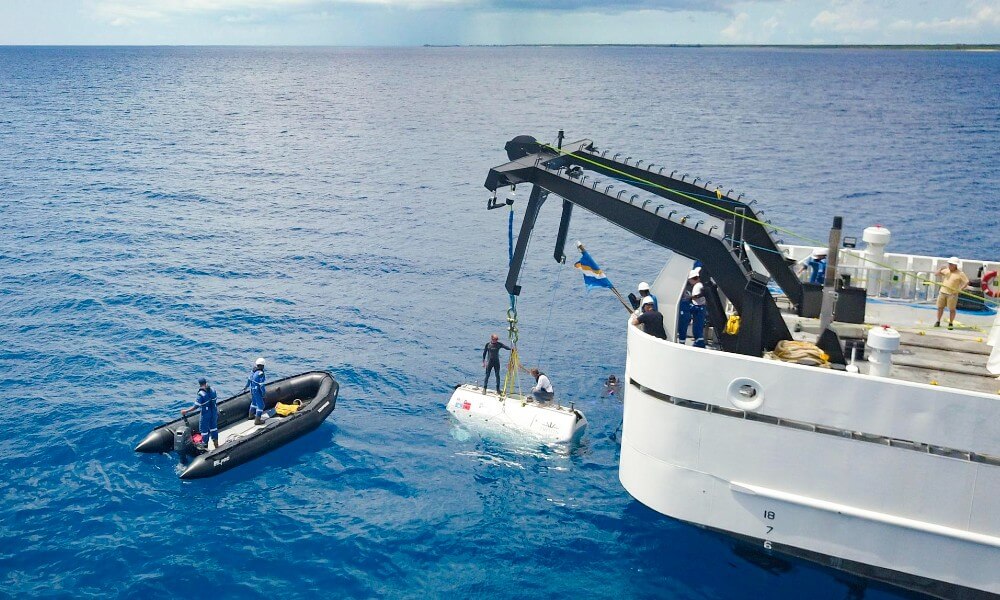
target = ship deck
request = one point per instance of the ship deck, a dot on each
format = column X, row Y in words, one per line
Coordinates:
column 929, row 355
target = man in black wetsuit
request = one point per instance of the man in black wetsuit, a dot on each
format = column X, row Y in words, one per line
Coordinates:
column 491, row 359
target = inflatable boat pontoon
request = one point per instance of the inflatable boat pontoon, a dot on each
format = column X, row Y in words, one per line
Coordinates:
column 239, row 439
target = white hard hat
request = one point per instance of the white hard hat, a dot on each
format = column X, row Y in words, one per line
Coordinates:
column 818, row 252
column 643, row 286
column 259, row 362
column 696, row 272
column 953, row 261
column 647, row 300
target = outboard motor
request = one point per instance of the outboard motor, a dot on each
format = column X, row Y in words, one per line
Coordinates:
column 183, row 444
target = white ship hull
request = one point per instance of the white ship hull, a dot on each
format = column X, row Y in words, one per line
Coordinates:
column 888, row 476
column 886, row 464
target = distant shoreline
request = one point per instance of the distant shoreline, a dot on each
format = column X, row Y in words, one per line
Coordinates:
column 955, row 47
column 965, row 47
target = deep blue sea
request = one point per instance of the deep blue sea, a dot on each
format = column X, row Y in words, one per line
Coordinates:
column 170, row 213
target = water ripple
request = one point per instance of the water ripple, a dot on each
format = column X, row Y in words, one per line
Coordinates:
column 171, row 213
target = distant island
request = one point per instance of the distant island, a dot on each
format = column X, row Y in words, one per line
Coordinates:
column 965, row 47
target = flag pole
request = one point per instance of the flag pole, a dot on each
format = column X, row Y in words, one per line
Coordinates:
column 617, row 294
column 622, row 300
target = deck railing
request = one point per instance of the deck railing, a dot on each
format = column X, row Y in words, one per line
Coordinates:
column 904, row 276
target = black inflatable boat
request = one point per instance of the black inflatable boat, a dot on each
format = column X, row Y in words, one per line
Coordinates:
column 239, row 439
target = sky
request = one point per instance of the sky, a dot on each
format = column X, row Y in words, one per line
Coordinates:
column 418, row 22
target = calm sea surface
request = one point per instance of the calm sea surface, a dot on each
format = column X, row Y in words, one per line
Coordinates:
column 168, row 213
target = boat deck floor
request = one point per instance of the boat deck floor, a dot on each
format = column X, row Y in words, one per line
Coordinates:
column 930, row 355
column 241, row 429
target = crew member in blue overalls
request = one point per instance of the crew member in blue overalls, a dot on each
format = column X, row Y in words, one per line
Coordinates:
column 816, row 262
column 692, row 310
column 256, row 384
column 208, row 420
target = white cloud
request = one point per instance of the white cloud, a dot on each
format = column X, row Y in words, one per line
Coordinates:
column 982, row 15
column 845, row 17
column 707, row 21
column 120, row 12
column 736, row 30
column 771, row 24
column 746, row 29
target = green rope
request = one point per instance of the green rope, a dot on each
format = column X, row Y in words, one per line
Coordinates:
column 812, row 242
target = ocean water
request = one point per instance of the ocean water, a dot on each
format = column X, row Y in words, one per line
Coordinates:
column 170, row 213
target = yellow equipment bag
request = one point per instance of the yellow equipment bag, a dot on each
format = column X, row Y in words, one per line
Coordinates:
column 733, row 324
column 283, row 410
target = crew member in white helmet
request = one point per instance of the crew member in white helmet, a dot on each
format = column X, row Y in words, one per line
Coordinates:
column 645, row 293
column 256, row 384
column 692, row 310
column 816, row 263
column 650, row 319
column 952, row 283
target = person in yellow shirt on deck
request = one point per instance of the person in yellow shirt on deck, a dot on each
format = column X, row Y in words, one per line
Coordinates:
column 952, row 283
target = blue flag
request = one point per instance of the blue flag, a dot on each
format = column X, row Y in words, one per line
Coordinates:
column 593, row 276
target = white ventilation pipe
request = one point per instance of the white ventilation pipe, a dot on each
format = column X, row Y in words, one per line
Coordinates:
column 876, row 239
column 882, row 342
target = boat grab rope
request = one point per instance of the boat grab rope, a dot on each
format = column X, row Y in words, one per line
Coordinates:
column 764, row 224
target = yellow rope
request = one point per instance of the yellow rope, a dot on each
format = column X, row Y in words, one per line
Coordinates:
column 803, row 353
column 510, row 379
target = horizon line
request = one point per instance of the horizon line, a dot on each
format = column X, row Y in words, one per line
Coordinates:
column 955, row 45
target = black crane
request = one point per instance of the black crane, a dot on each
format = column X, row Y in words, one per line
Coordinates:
column 561, row 172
